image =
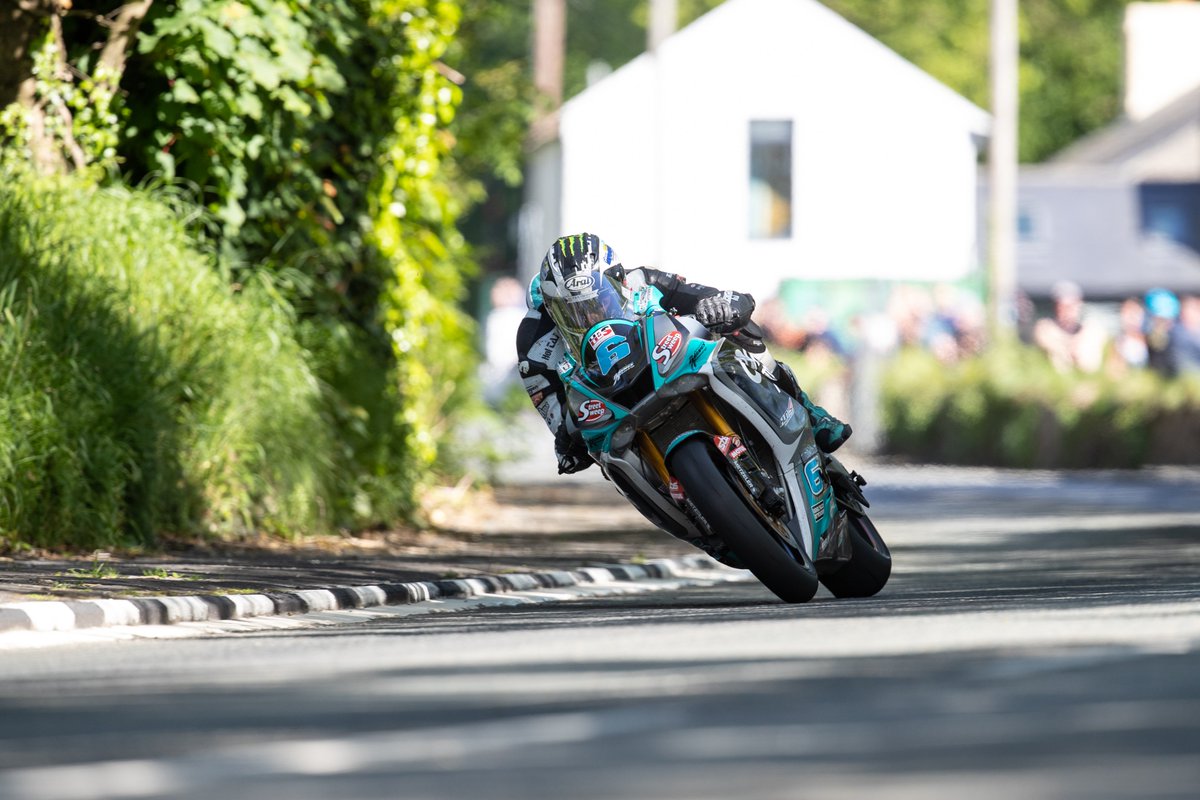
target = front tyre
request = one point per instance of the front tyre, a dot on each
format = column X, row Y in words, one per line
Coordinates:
column 713, row 491
column 869, row 567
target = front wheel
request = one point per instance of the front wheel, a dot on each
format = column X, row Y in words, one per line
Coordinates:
column 786, row 573
column 869, row 567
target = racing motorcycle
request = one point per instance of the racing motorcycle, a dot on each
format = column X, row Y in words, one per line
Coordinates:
column 692, row 428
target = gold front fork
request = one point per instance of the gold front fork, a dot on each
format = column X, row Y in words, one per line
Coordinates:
column 711, row 415
column 650, row 452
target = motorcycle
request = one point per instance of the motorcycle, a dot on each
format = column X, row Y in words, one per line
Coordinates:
column 692, row 428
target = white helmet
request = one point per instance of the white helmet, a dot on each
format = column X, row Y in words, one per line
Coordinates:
column 581, row 283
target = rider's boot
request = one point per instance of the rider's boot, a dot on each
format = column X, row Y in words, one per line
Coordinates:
column 830, row 432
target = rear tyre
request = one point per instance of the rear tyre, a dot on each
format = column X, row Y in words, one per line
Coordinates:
column 868, row 568
column 711, row 488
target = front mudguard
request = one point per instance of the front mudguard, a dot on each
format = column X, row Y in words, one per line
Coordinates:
column 836, row 548
column 847, row 486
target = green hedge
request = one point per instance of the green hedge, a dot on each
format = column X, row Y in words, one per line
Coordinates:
column 1011, row 408
column 138, row 394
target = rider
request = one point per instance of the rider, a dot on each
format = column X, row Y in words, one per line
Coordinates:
column 540, row 344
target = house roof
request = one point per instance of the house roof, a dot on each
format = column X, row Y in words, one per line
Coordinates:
column 1125, row 139
column 1093, row 227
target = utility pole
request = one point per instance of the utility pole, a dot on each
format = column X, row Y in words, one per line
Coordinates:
column 664, row 18
column 540, row 220
column 1002, row 172
column 549, row 50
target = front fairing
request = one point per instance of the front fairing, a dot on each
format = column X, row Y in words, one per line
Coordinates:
column 623, row 361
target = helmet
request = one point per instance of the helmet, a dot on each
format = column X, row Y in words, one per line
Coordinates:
column 582, row 283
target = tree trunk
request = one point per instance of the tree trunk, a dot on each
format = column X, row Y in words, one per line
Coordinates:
column 22, row 24
column 126, row 21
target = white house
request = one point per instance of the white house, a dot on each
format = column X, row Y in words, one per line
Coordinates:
column 769, row 139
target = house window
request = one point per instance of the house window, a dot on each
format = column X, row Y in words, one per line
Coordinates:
column 1170, row 212
column 1167, row 221
column 1033, row 223
column 770, row 179
column 1026, row 226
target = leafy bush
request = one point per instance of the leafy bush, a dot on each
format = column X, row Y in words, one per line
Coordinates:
column 1010, row 407
column 138, row 393
column 316, row 137
column 318, row 133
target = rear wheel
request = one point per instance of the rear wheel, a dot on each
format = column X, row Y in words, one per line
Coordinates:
column 782, row 570
column 868, row 568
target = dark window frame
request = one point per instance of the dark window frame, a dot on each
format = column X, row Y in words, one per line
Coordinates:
column 771, row 208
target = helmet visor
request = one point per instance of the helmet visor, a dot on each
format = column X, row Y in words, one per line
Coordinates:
column 590, row 297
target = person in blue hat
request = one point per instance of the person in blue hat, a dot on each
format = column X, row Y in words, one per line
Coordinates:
column 1162, row 331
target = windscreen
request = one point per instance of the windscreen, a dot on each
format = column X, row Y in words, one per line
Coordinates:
column 592, row 297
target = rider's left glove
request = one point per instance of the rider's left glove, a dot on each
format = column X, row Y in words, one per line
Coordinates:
column 572, row 454
column 725, row 312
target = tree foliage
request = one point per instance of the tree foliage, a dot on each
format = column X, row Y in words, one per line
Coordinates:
column 316, row 138
column 1070, row 70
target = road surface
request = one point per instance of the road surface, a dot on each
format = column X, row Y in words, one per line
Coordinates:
column 1040, row 638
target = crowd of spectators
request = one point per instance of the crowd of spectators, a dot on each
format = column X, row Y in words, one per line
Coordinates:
column 1158, row 330
column 947, row 321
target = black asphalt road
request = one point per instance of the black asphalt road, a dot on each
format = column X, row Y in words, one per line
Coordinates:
column 1040, row 639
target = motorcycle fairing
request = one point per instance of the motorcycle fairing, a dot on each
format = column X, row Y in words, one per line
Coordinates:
column 615, row 358
column 784, row 425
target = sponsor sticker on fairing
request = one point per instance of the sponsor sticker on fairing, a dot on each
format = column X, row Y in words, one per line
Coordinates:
column 591, row 411
column 676, row 490
column 789, row 413
column 730, row 446
column 666, row 349
column 812, row 473
column 600, row 335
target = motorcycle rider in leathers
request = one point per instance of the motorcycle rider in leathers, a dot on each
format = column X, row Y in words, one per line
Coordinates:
column 540, row 345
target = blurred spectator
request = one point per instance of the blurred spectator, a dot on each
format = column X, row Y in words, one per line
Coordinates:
column 777, row 324
column 909, row 307
column 819, row 340
column 954, row 328
column 940, row 333
column 1162, row 322
column 500, row 331
column 1188, row 343
column 1068, row 338
column 1129, row 345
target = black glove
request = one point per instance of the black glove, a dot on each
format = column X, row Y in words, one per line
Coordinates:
column 726, row 311
column 572, row 453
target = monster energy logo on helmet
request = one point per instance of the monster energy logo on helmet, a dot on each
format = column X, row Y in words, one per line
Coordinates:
column 580, row 252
